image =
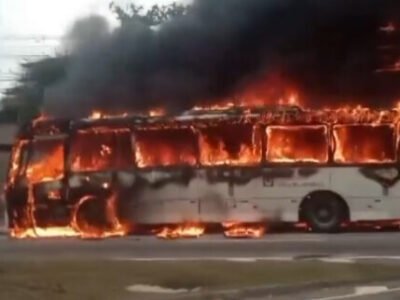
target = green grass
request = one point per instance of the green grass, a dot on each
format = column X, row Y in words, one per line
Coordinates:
column 65, row 280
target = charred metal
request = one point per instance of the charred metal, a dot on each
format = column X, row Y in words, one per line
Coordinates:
column 99, row 177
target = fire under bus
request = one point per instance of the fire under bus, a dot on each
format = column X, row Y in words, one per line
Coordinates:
column 241, row 167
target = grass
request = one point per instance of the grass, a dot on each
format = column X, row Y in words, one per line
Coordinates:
column 103, row 280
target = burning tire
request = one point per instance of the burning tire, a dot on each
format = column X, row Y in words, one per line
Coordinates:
column 90, row 215
column 324, row 212
column 95, row 217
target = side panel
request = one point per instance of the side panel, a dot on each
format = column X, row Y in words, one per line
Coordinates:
column 256, row 194
column 278, row 191
column 179, row 196
column 372, row 192
column 225, row 194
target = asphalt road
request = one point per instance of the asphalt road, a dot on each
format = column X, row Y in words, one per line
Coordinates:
column 379, row 245
column 378, row 291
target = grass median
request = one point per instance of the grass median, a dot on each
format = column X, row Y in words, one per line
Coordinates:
column 67, row 280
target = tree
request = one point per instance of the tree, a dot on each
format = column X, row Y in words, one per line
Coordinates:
column 27, row 96
column 155, row 16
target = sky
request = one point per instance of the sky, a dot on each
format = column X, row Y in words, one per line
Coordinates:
column 30, row 29
column 53, row 17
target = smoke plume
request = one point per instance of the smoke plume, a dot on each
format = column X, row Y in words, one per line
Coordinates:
column 331, row 50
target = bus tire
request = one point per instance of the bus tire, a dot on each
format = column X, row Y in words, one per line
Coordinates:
column 324, row 212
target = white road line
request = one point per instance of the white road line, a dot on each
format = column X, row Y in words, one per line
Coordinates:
column 154, row 289
column 337, row 259
column 361, row 293
column 368, row 257
column 231, row 259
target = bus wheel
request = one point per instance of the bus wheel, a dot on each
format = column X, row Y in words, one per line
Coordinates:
column 90, row 215
column 324, row 212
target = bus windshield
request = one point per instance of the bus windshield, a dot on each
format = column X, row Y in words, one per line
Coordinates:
column 46, row 162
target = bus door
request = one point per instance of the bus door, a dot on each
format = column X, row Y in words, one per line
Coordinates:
column 101, row 168
column 45, row 173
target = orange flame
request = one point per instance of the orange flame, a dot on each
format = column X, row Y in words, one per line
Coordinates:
column 240, row 230
column 74, row 229
column 49, row 167
column 155, row 147
column 346, row 134
column 182, row 231
column 230, row 145
column 297, row 144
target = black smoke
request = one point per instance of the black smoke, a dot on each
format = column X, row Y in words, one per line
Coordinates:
column 329, row 49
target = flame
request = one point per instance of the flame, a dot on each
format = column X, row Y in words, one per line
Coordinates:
column 267, row 90
column 364, row 143
column 38, row 232
column 95, row 149
column 230, row 145
column 15, row 162
column 346, row 135
column 291, row 99
column 74, row 229
column 297, row 144
column 182, row 231
column 114, row 226
column 165, row 147
column 156, row 112
column 98, row 114
column 49, row 167
column 240, row 230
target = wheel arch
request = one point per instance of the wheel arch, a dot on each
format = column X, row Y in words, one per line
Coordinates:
column 312, row 195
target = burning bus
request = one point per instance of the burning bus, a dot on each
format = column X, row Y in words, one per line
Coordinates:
column 240, row 167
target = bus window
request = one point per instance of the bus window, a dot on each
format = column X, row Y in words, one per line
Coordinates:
column 101, row 149
column 230, row 144
column 165, row 147
column 297, row 144
column 123, row 157
column 46, row 162
column 364, row 143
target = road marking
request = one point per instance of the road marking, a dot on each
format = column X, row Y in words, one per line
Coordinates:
column 366, row 290
column 361, row 292
column 231, row 259
column 367, row 257
column 342, row 260
column 155, row 289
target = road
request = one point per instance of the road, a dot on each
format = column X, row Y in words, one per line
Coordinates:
column 389, row 291
column 379, row 245
column 347, row 247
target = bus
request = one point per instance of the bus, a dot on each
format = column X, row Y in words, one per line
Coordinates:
column 106, row 175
